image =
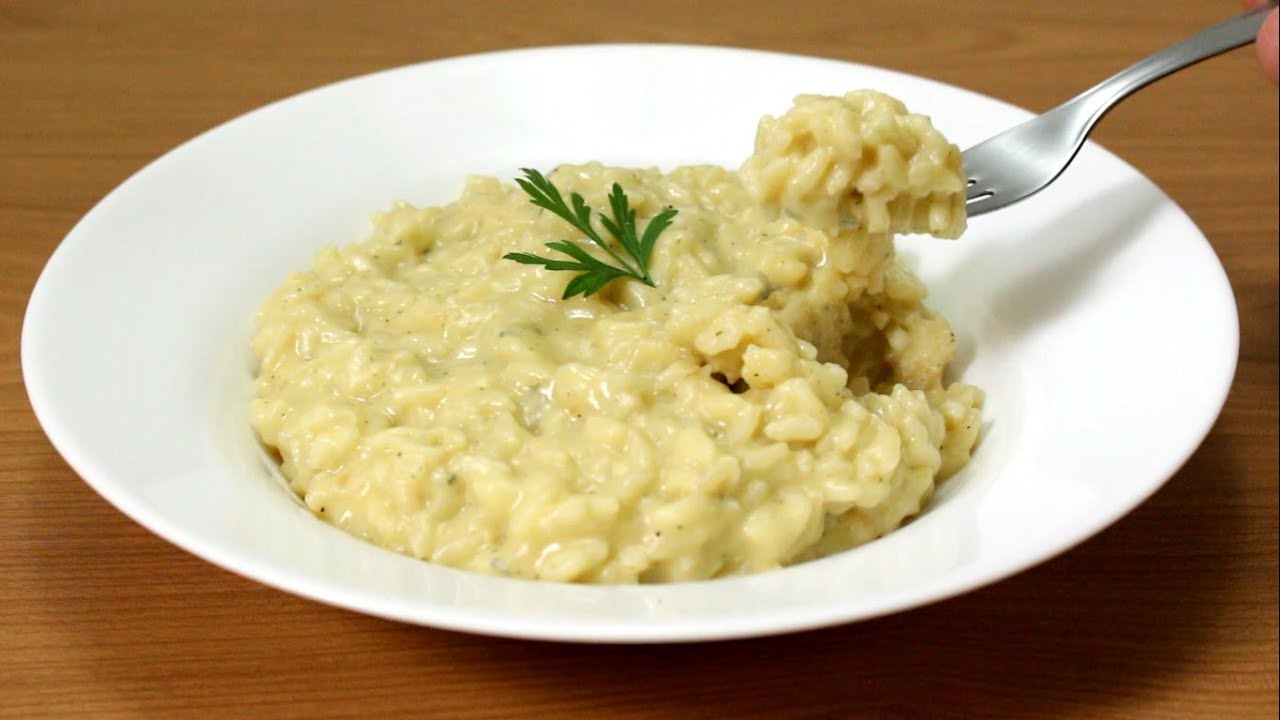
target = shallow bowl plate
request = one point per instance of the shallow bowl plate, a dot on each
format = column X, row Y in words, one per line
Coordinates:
column 1095, row 315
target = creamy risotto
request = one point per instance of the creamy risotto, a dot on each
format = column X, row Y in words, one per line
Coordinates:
column 779, row 396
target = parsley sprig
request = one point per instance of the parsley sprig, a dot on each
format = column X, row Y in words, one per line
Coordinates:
column 593, row 273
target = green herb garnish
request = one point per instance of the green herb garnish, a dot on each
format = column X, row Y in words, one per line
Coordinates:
column 593, row 273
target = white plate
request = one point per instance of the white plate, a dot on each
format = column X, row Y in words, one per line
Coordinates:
column 1096, row 316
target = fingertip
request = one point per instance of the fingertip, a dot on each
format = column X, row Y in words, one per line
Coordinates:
column 1268, row 46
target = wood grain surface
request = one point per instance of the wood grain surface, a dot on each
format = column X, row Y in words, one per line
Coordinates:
column 1171, row 613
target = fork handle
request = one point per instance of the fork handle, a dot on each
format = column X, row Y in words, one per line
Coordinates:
column 1229, row 35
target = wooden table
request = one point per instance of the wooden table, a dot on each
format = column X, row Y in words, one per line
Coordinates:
column 1171, row 613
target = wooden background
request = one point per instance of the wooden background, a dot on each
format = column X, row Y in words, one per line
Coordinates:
column 1172, row 613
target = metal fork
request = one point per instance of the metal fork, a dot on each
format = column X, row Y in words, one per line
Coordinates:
column 1023, row 160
